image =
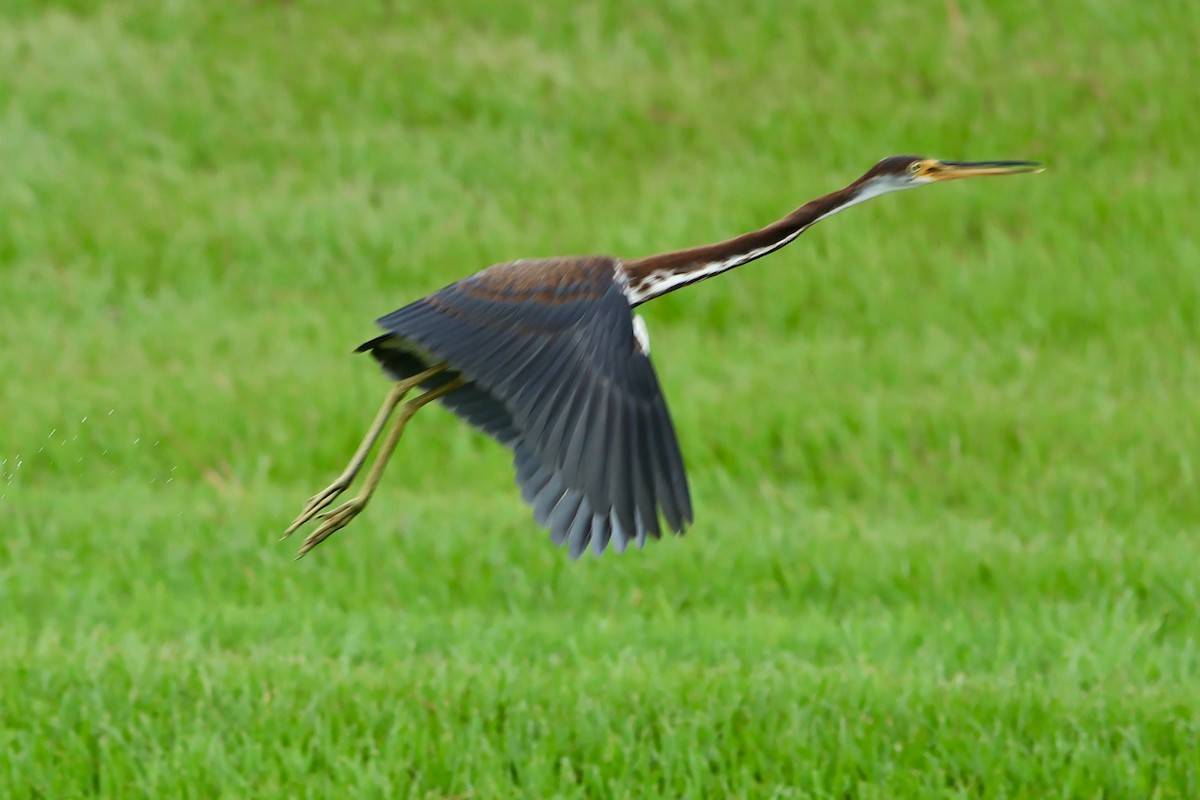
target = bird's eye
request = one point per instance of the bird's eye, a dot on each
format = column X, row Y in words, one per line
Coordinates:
column 914, row 168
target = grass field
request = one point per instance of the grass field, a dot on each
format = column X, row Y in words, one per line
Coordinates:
column 943, row 449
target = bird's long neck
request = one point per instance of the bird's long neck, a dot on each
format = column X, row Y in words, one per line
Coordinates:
column 654, row 276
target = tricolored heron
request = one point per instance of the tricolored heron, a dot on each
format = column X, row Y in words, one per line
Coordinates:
column 547, row 357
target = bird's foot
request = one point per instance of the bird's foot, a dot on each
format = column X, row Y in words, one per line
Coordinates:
column 317, row 502
column 334, row 521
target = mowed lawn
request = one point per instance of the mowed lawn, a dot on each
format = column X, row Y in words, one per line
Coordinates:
column 944, row 449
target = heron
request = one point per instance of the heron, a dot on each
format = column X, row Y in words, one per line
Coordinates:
column 547, row 357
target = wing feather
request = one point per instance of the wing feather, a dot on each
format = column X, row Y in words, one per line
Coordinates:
column 642, row 482
column 554, row 371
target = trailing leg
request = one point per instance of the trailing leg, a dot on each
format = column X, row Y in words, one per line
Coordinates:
column 326, row 496
column 341, row 516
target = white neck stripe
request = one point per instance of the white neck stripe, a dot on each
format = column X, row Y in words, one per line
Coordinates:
column 662, row 281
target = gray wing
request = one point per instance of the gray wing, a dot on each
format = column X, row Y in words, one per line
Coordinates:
column 556, row 374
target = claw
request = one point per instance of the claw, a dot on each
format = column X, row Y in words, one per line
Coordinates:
column 335, row 520
column 317, row 502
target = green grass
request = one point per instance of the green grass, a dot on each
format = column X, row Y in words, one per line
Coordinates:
column 943, row 449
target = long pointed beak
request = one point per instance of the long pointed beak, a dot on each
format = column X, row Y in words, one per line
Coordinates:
column 951, row 170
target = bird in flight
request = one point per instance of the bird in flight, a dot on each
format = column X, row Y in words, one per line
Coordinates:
column 548, row 357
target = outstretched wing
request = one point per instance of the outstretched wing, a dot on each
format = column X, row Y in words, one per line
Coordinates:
column 556, row 373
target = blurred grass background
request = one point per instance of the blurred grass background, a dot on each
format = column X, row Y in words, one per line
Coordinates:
column 942, row 449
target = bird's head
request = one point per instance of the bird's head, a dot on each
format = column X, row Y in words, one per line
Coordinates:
column 904, row 172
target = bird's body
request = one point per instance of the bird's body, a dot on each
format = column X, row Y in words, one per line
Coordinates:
column 548, row 358
column 556, row 373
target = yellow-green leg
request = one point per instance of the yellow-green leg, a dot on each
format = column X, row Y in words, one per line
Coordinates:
column 341, row 516
column 324, row 497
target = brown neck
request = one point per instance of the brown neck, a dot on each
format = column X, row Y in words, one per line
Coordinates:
column 654, row 276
